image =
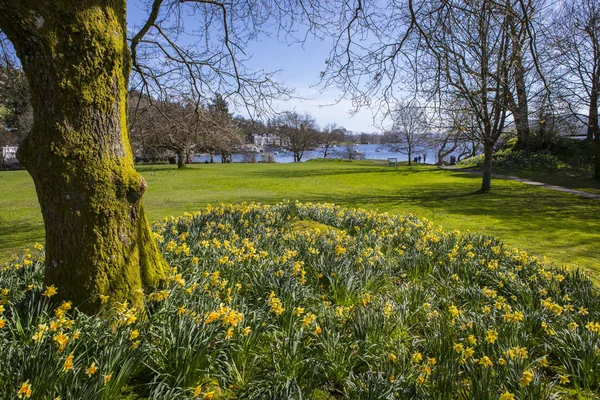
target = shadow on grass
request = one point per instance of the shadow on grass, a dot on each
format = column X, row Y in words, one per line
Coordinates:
column 15, row 233
column 300, row 172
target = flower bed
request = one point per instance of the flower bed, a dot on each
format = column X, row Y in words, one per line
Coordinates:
column 261, row 306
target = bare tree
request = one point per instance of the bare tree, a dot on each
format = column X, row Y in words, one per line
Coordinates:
column 331, row 134
column 454, row 49
column 181, row 128
column 409, row 130
column 222, row 134
column 576, row 45
column 299, row 132
column 457, row 132
column 469, row 49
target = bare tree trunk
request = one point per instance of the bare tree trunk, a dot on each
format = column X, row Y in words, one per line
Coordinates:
column 181, row 159
column 520, row 109
column 521, row 117
column 98, row 241
column 409, row 158
column 593, row 130
column 486, row 182
column 592, row 127
column 597, row 155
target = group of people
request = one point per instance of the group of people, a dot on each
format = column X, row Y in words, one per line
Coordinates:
column 418, row 159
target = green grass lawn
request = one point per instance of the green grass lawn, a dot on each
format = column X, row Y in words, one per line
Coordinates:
column 563, row 227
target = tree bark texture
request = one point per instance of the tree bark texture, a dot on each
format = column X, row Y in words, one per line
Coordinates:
column 597, row 155
column 98, row 241
column 519, row 107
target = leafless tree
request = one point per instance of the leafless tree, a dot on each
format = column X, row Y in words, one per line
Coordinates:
column 576, row 56
column 330, row 134
column 455, row 49
column 409, row 130
column 456, row 132
column 182, row 128
column 299, row 132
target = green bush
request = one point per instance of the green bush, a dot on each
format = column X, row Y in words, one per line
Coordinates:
column 378, row 307
column 565, row 153
column 512, row 159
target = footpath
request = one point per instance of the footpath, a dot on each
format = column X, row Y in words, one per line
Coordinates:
column 580, row 193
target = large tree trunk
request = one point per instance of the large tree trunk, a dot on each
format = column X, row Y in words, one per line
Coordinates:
column 593, row 130
column 98, row 241
column 520, row 109
column 597, row 155
column 592, row 123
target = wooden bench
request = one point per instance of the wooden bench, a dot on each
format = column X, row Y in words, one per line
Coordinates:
column 392, row 161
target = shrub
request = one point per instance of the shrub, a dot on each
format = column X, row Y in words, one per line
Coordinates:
column 511, row 159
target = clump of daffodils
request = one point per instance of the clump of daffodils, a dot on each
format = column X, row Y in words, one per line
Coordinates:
column 260, row 305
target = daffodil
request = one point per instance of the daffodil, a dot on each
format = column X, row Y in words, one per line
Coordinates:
column 485, row 361
column 50, row 291
column 526, row 378
column 491, row 336
column 417, row 357
column 25, row 390
column 507, row 396
column 91, row 370
column 68, row 364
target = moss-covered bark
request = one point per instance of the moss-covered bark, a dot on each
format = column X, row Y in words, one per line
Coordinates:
column 75, row 55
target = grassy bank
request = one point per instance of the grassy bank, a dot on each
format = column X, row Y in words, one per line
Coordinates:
column 563, row 227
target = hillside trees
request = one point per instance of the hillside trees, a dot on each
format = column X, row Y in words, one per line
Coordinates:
column 78, row 59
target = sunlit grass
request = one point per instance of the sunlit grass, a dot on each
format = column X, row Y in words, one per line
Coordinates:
column 563, row 227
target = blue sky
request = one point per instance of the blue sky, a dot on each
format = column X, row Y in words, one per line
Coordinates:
column 300, row 67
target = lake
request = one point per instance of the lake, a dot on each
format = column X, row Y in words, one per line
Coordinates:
column 370, row 152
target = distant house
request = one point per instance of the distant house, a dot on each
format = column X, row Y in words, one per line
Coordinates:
column 9, row 153
column 269, row 140
column 9, row 157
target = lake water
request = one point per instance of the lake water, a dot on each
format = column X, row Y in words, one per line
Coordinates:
column 370, row 152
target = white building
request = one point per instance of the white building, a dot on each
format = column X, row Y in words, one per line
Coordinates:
column 269, row 140
column 9, row 154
